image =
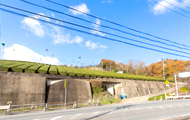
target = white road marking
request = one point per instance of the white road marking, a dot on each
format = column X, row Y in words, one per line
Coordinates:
column 56, row 117
column 161, row 107
column 187, row 104
column 170, row 106
column 35, row 119
column 138, row 108
column 180, row 105
column 76, row 115
column 126, row 109
column 150, row 108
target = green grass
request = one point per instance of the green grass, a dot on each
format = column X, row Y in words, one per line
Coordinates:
column 1, row 111
column 157, row 97
column 185, row 89
column 105, row 100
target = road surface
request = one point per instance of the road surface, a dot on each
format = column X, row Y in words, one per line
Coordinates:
column 139, row 111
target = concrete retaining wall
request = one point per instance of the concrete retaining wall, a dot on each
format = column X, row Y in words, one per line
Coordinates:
column 22, row 90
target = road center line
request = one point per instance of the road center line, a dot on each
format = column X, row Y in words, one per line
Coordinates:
column 56, row 117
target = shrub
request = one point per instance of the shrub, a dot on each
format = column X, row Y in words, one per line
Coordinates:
column 53, row 70
column 61, row 70
column 185, row 89
column 33, row 69
column 97, row 89
column 44, row 69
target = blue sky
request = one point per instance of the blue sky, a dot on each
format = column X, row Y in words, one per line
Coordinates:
column 28, row 39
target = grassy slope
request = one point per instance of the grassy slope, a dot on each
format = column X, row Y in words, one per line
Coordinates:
column 31, row 67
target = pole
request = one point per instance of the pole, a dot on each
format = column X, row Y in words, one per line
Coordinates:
column 65, row 94
column 127, row 68
column 163, row 68
column 122, row 68
column 176, row 84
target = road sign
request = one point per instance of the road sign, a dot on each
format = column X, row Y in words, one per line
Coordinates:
column 9, row 102
column 65, row 83
column 167, row 85
column 167, row 82
column 184, row 74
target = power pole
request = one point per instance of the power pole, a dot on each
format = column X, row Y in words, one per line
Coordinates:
column 127, row 68
column 163, row 68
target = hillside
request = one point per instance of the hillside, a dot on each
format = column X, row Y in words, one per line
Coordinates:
column 31, row 67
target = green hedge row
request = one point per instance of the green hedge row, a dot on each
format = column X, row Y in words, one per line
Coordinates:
column 31, row 67
column 34, row 68
column 44, row 69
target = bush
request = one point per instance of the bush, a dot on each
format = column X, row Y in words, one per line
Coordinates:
column 53, row 70
column 157, row 97
column 33, row 69
column 44, row 69
column 185, row 89
column 97, row 89
column 61, row 70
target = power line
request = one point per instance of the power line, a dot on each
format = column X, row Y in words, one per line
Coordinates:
column 102, row 20
column 94, row 29
column 171, row 9
column 176, row 7
column 111, row 39
column 183, row 3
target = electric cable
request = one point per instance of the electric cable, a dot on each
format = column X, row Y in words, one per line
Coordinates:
column 102, row 25
column 93, row 29
column 111, row 39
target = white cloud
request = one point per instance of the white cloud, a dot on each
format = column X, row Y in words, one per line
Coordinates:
column 162, row 5
column 96, row 26
column 34, row 26
column 91, row 45
column 19, row 52
column 60, row 37
column 82, row 7
column 107, row 1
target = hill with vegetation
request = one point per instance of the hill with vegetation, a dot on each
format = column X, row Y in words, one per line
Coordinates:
column 32, row 67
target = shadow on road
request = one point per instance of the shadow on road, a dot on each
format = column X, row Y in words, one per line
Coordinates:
column 118, row 108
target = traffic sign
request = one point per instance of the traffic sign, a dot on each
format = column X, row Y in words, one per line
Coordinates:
column 9, row 102
column 184, row 74
column 167, row 82
column 167, row 85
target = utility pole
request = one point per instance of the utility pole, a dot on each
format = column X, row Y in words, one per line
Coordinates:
column 122, row 67
column 163, row 68
column 127, row 68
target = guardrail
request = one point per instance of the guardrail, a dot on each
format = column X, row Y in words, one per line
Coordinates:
column 167, row 97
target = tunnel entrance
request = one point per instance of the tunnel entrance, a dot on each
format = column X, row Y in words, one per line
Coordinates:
column 113, row 88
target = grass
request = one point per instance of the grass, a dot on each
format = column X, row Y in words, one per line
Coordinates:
column 157, row 97
column 105, row 100
column 185, row 89
column 1, row 111
column 80, row 105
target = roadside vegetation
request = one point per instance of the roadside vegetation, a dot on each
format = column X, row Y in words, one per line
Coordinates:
column 32, row 67
column 185, row 89
column 157, row 97
column 103, row 96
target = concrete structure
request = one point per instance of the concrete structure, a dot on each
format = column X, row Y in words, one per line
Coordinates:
column 28, row 88
column 133, row 88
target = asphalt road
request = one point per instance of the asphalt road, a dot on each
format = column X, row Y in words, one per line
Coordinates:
column 139, row 111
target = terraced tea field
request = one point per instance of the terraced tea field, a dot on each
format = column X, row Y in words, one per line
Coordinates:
column 31, row 67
